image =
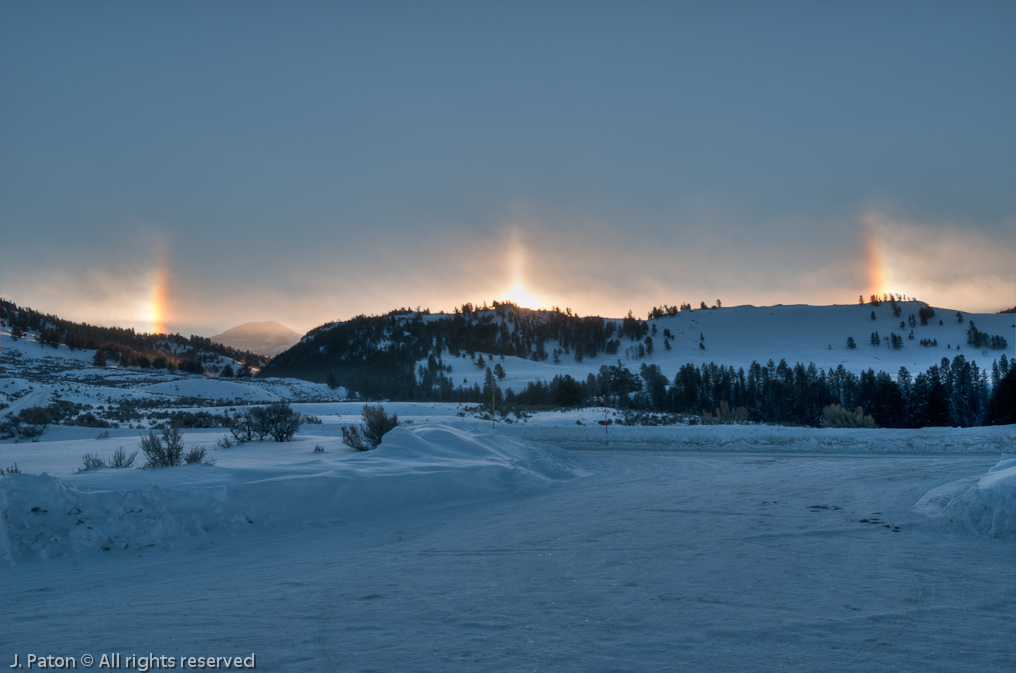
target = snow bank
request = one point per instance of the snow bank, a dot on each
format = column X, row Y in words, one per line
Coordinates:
column 107, row 509
column 985, row 504
column 769, row 439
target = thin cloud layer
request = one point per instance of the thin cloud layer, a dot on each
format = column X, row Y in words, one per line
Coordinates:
column 948, row 265
column 592, row 265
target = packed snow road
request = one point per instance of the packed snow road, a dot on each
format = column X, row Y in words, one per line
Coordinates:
column 647, row 563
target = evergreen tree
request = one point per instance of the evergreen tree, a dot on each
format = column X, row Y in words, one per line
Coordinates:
column 1001, row 408
column 489, row 384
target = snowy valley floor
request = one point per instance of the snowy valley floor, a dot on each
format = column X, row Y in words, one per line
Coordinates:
column 593, row 562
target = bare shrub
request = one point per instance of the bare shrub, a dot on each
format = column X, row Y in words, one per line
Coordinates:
column 724, row 415
column 8, row 427
column 28, row 423
column 375, row 424
column 277, row 421
column 226, row 442
column 91, row 461
column 242, row 424
column 35, row 416
column 835, row 416
column 31, row 431
column 281, row 422
column 121, row 459
column 351, row 437
column 13, row 469
column 259, row 422
column 166, row 451
column 198, row 455
column 319, row 449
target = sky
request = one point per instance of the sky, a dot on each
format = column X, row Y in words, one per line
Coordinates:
column 190, row 166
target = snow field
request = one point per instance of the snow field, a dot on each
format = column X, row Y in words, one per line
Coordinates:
column 54, row 510
column 650, row 562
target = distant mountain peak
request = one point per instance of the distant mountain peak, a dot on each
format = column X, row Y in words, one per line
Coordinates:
column 265, row 338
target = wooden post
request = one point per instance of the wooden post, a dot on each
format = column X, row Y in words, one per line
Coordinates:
column 606, row 428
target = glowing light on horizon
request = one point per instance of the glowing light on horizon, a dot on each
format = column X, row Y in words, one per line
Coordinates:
column 518, row 295
column 875, row 260
column 158, row 304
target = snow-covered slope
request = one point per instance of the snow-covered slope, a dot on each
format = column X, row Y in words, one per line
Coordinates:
column 737, row 336
column 38, row 375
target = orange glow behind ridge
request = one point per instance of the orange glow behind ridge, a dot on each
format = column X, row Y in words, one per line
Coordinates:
column 159, row 302
column 874, row 259
column 519, row 296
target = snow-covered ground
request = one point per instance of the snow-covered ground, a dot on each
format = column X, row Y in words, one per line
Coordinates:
column 37, row 375
column 547, row 543
column 457, row 547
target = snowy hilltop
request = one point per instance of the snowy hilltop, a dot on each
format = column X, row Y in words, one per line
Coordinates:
column 905, row 363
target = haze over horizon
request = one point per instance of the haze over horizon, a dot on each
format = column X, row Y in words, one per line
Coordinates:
column 196, row 166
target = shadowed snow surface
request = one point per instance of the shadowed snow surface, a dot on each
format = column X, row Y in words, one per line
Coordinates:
column 451, row 548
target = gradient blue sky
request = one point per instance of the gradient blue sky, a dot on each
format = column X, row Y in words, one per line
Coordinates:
column 309, row 161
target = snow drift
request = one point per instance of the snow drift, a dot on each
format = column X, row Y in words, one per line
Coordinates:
column 985, row 504
column 47, row 517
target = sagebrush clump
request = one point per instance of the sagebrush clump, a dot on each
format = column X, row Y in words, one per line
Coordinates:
column 166, row 451
column 835, row 416
column 375, row 424
column 91, row 461
column 198, row 455
column 724, row 415
column 119, row 459
column 277, row 421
